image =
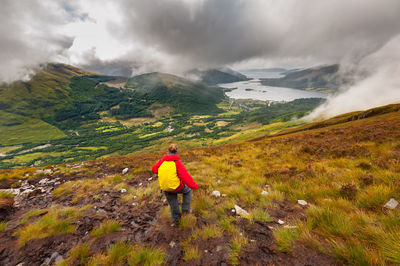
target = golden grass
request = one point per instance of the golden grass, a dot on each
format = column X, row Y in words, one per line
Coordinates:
column 285, row 238
column 32, row 213
column 78, row 254
column 209, row 231
column 105, row 227
column 260, row 215
column 3, row 226
column 235, row 247
column 188, row 221
column 191, row 253
column 56, row 221
column 123, row 253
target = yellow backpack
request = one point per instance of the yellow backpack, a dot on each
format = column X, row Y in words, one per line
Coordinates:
column 168, row 177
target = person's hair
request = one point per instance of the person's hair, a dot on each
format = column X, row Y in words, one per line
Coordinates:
column 173, row 148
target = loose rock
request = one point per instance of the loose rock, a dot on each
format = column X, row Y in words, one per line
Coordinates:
column 123, row 190
column 391, row 204
column 241, row 212
column 54, row 255
column 280, row 221
column 302, row 202
column 216, row 193
column 59, row 258
column 264, row 193
column 125, row 170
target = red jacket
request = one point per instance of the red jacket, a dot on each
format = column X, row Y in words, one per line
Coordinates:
column 183, row 174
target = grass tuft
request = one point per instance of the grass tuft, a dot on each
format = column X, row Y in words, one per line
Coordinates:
column 235, row 247
column 192, row 253
column 32, row 213
column 6, row 200
column 57, row 221
column 391, row 245
column 330, row 222
column 374, row 197
column 188, row 221
column 3, row 226
column 146, row 256
column 105, row 227
column 79, row 254
column 122, row 253
column 209, row 231
column 259, row 215
column 118, row 253
column 285, row 238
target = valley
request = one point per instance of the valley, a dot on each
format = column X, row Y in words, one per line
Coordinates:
column 90, row 117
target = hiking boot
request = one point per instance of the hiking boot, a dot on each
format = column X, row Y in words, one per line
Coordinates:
column 186, row 212
column 175, row 223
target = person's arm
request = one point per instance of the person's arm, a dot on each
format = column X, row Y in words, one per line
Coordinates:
column 185, row 176
column 156, row 166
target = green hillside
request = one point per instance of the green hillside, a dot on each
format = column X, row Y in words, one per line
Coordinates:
column 183, row 95
column 325, row 79
column 217, row 76
column 14, row 127
column 46, row 92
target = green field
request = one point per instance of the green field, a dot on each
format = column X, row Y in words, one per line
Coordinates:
column 102, row 139
column 16, row 129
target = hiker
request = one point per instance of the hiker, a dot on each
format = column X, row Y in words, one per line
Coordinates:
column 174, row 178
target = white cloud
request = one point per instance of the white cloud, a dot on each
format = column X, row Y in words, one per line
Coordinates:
column 379, row 85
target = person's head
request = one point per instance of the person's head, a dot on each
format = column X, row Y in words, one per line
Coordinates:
column 173, row 149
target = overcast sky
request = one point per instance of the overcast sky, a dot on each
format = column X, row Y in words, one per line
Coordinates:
column 128, row 37
column 175, row 35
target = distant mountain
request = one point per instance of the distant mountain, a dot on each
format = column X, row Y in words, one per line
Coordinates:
column 217, row 76
column 46, row 92
column 181, row 94
column 274, row 69
column 54, row 102
column 325, row 78
column 258, row 73
column 61, row 98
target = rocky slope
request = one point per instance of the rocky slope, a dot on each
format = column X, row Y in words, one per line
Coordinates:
column 315, row 196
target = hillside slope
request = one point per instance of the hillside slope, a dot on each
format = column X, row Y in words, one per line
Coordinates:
column 345, row 170
column 325, row 78
column 183, row 95
column 60, row 100
column 44, row 93
column 217, row 76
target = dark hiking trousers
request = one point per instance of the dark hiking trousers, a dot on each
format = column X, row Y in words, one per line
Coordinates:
column 172, row 199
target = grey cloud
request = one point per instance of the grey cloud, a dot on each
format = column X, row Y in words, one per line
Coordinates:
column 211, row 32
column 176, row 35
column 117, row 67
column 29, row 37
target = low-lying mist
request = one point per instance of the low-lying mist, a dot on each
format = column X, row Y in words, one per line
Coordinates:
column 376, row 82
